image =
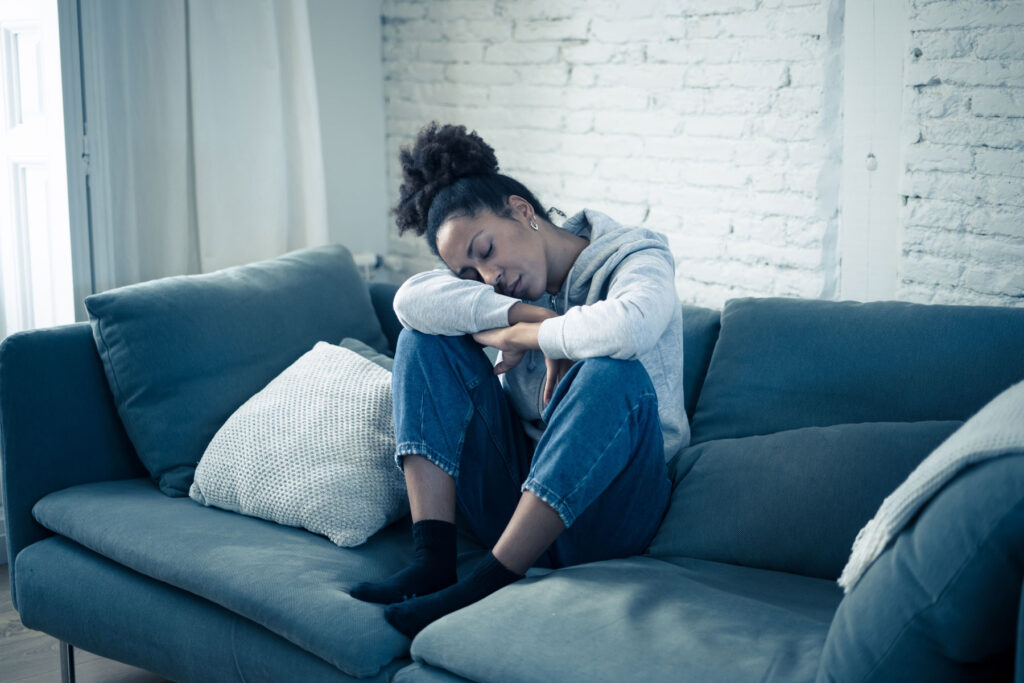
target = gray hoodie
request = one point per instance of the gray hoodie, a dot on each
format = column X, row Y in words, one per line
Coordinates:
column 618, row 300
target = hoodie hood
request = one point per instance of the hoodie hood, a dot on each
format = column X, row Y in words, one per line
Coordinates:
column 610, row 243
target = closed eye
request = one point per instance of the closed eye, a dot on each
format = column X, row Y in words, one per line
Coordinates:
column 490, row 250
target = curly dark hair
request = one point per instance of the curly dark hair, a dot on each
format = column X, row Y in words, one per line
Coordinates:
column 449, row 172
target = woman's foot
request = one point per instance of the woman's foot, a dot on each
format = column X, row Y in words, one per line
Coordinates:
column 432, row 568
column 412, row 616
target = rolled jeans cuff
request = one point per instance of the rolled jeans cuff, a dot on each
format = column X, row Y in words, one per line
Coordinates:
column 551, row 498
column 418, row 448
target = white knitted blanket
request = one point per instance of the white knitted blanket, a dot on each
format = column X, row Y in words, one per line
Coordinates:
column 995, row 430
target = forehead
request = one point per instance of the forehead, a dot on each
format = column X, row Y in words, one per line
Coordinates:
column 455, row 235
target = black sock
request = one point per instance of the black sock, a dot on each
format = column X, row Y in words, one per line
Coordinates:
column 432, row 568
column 412, row 616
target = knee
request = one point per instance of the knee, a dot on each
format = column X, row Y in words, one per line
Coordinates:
column 616, row 374
column 411, row 339
column 412, row 342
column 432, row 350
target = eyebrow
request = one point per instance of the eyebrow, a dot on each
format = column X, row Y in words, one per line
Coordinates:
column 469, row 249
column 469, row 253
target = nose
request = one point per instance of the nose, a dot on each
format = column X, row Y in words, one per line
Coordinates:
column 494, row 277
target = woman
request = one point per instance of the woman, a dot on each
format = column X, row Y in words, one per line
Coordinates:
column 563, row 460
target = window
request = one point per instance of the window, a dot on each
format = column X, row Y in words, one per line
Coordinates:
column 35, row 244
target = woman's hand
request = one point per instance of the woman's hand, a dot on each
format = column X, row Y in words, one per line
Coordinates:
column 513, row 342
column 557, row 367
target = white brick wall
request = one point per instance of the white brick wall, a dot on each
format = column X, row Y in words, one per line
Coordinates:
column 963, row 219
column 703, row 120
column 718, row 122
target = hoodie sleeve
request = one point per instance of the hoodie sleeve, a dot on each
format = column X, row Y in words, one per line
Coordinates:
column 628, row 322
column 437, row 302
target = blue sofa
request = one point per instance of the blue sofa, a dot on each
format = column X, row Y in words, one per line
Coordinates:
column 805, row 414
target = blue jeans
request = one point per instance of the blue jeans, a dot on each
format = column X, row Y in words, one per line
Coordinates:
column 600, row 463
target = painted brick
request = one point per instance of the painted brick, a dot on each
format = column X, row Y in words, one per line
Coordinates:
column 448, row 51
column 636, row 30
column 959, row 14
column 981, row 132
column 937, row 213
column 967, row 72
column 460, row 9
column 718, row 126
column 1002, row 281
column 594, row 99
column 579, row 122
column 925, row 268
column 1001, row 44
column 651, row 76
column 635, row 9
column 938, row 102
column 929, row 157
column 482, row 74
column 526, row 95
column 414, row 72
column 759, row 75
column 546, row 74
column 569, row 28
column 1001, row 221
column 473, row 30
column 998, row 102
column 646, row 122
column 1001, row 190
column 701, row 7
column 942, row 44
column 601, row 145
column 602, row 53
column 512, row 52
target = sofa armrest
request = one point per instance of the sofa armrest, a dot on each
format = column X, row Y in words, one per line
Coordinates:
column 1018, row 676
column 943, row 601
column 382, row 294
column 58, row 425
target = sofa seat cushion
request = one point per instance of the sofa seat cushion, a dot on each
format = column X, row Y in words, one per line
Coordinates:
column 639, row 619
column 290, row 581
column 792, row 501
column 73, row 594
column 788, row 363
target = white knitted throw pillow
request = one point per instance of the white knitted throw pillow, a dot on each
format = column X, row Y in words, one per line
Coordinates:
column 314, row 449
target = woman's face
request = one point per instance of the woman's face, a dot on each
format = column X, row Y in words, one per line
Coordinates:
column 505, row 253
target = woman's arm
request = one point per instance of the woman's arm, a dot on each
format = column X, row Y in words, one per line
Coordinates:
column 437, row 302
column 521, row 333
column 523, row 312
column 639, row 305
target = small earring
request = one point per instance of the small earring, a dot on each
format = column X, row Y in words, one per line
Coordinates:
column 533, row 224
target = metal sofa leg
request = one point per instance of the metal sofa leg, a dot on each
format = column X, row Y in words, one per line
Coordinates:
column 67, row 662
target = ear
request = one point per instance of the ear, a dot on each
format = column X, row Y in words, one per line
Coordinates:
column 520, row 207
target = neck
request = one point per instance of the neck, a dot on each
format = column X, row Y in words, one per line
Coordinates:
column 562, row 248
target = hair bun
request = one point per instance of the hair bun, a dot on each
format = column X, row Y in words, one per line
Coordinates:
column 439, row 156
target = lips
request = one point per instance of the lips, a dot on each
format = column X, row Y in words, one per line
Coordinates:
column 514, row 290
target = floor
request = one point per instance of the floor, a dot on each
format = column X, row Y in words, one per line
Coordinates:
column 28, row 656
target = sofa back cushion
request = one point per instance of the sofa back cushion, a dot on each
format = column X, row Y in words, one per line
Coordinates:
column 181, row 354
column 700, row 332
column 783, row 364
column 791, row 501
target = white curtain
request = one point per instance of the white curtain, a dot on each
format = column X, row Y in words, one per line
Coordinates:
column 204, row 135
